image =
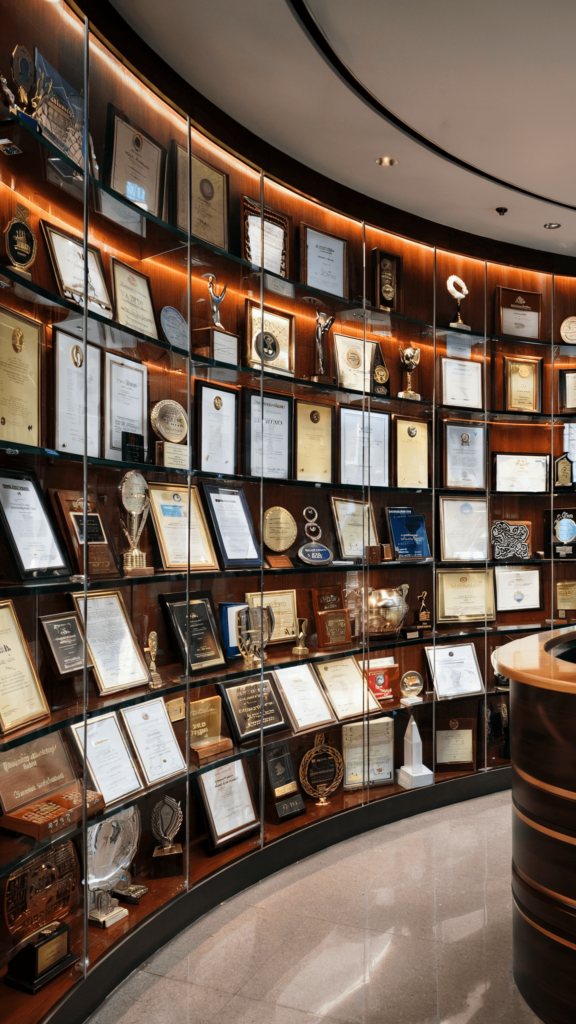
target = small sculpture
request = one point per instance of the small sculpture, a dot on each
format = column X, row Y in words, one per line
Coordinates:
column 323, row 325
column 215, row 300
column 152, row 650
column 410, row 359
column 423, row 614
column 458, row 291
column 300, row 651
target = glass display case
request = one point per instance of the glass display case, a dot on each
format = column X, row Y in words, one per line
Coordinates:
column 274, row 485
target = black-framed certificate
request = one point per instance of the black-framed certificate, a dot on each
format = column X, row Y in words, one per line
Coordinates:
column 22, row 698
column 205, row 649
column 567, row 390
column 125, row 402
column 462, row 383
column 253, row 704
column 454, row 669
column 69, row 372
column 517, row 588
column 273, row 457
column 208, row 197
column 304, row 698
column 464, row 454
column 314, row 442
column 324, row 261
column 364, row 447
column 217, row 428
column 174, row 530
column 258, row 223
column 230, row 809
column 233, row 526
column 64, row 643
column 154, row 740
column 271, row 338
column 20, row 388
column 119, row 664
column 525, row 473
column 465, row 595
column 66, row 253
column 32, row 542
column 110, row 763
column 134, row 162
column 463, row 529
column 133, row 303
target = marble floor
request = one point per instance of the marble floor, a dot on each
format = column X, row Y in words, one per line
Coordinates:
column 408, row 924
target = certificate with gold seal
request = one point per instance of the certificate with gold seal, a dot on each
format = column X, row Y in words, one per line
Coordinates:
column 133, row 299
column 465, row 596
column 314, row 451
column 270, row 335
column 522, row 383
column 208, row 197
column 20, row 354
column 355, row 526
column 22, row 698
column 169, row 509
column 354, row 362
column 411, row 453
column 134, row 163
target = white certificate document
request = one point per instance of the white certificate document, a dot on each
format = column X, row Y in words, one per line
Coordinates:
column 466, row 594
column 303, row 697
column 462, row 383
column 170, row 515
column 225, row 347
column 325, row 257
column 230, row 515
column 136, row 167
column 133, row 300
column 283, row 605
column 523, row 473
column 273, row 243
column 154, row 740
column 368, row 752
column 465, row 456
column 111, row 766
column 570, row 387
column 69, row 398
column 125, row 403
column 69, row 255
column 111, row 643
column 29, row 525
column 520, row 323
column 347, row 688
column 354, row 362
column 454, row 670
column 218, row 451
column 517, row 589
column 275, row 460
column 364, row 443
column 454, row 746
column 464, row 527
column 228, row 798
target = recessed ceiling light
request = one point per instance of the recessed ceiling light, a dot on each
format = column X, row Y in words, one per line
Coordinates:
column 387, row 161
column 552, row 224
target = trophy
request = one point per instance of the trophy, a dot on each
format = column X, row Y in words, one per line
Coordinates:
column 111, row 846
column 423, row 614
column 458, row 291
column 321, row 770
column 323, row 325
column 312, row 551
column 254, row 627
column 244, row 637
column 300, row 651
column 152, row 650
column 134, row 502
column 215, row 300
column 410, row 358
column 166, row 820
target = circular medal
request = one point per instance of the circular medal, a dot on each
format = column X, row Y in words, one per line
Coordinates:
column 353, row 358
column 381, row 374
column 267, row 346
column 279, row 529
column 315, row 416
column 174, row 326
column 21, row 244
column 568, row 330
column 411, row 684
column 169, row 421
column 523, row 371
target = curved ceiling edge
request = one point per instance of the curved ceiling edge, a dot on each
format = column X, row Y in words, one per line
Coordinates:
column 319, row 40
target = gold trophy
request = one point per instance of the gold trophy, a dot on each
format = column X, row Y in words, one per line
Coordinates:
column 410, row 358
column 152, row 650
column 134, row 502
column 300, row 651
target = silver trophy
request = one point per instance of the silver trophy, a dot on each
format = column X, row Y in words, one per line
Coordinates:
column 323, row 325
column 134, row 502
column 254, row 627
column 215, row 300
column 410, row 358
column 166, row 821
column 112, row 845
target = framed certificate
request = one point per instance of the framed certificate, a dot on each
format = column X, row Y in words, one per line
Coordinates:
column 154, row 740
column 230, row 809
column 523, row 383
column 518, row 313
column 314, row 447
column 133, row 299
column 324, row 261
column 69, row 371
column 355, row 360
column 464, row 454
column 455, row 744
column 217, row 445
column 525, row 473
column 355, row 526
column 205, row 650
column 22, row 698
column 407, row 532
column 270, row 340
column 347, row 688
column 118, row 662
column 567, row 390
column 274, row 227
column 253, row 705
column 178, row 526
column 304, row 698
column 463, row 529
column 462, row 383
column 386, row 280
column 110, row 763
column 517, row 589
column 233, row 527
column 465, row 595
column 455, row 670
column 274, row 459
column 32, row 542
column 134, row 162
column 20, row 387
column 364, row 446
column 125, row 402
column 63, row 642
column 411, row 437
column 67, row 258
column 208, row 197
column 368, row 753
column 283, row 604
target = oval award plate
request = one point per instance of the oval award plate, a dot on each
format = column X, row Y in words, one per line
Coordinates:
column 169, row 421
column 280, row 530
column 174, row 326
column 315, row 554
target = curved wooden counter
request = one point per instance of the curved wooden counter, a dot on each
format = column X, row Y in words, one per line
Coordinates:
column 543, row 746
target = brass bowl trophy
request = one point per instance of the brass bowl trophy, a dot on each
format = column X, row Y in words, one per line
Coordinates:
column 410, row 359
column 134, row 502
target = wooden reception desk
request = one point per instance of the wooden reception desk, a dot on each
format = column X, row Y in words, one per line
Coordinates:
column 542, row 670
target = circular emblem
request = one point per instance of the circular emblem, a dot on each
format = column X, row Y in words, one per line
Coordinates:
column 17, row 339
column 380, row 679
column 381, row 374
column 176, row 497
column 217, row 402
column 466, row 509
column 21, row 244
column 315, row 416
column 565, row 530
column 518, row 596
column 454, row 723
column 169, row 421
column 568, row 330
column 465, row 438
column 174, row 326
column 353, row 358
column 77, row 356
column 207, row 189
column 138, row 142
column 412, row 431
column 523, row 371
column 267, row 346
column 145, row 716
column 411, row 683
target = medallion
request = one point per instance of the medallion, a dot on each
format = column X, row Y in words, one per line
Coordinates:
column 169, row 421
column 568, row 330
column 279, row 530
column 21, row 244
column 174, row 326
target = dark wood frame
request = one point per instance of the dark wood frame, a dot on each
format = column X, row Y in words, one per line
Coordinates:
column 252, row 207
column 247, row 395
column 499, row 293
column 537, row 362
column 112, row 113
column 200, row 387
column 470, row 424
column 304, row 258
column 443, row 725
column 46, row 231
column 377, row 300
column 260, row 365
column 563, row 408
column 49, row 646
column 231, row 563
column 68, row 530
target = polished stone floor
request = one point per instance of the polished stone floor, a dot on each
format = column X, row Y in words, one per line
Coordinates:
column 408, row 924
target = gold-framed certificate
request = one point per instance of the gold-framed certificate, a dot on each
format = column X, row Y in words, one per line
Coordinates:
column 523, row 383
column 133, row 299
column 169, row 509
column 208, row 197
column 20, row 362
column 355, row 526
column 314, row 448
column 118, row 662
column 22, row 698
column 283, row 604
column 270, row 335
column 411, row 438
column 465, row 595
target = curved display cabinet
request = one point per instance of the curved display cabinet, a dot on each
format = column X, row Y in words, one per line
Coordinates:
column 405, row 510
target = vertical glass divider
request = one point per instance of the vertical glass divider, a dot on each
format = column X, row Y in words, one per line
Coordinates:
column 551, row 475
column 189, row 495
column 434, row 550
column 262, row 783
column 487, row 667
column 366, row 496
column 86, row 207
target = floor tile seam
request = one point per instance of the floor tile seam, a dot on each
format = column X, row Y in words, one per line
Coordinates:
column 313, row 1016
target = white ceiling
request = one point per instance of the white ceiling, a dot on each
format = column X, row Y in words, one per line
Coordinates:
column 493, row 83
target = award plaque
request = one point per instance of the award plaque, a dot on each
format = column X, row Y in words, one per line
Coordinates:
column 455, row 745
column 64, row 643
column 382, row 676
column 510, row 540
column 407, row 533
column 386, row 281
column 567, row 390
column 411, row 453
column 368, row 753
column 355, row 362
column 258, row 222
column 465, row 595
column 43, row 958
column 270, row 416
column 560, row 533
column 518, row 313
column 347, row 689
column 133, row 303
column 463, row 529
column 233, row 526
column 67, row 257
column 324, row 261
column 169, row 510
column 217, row 443
column 195, row 633
column 279, row 533
column 208, row 198
column 563, row 471
column 331, row 617
column 69, row 510
column 134, row 162
column 321, row 771
column 565, row 597
column 22, row 698
column 20, row 390
column 20, row 241
column 174, row 327
column 29, row 535
column 282, row 781
column 283, row 604
column 568, row 330
column 118, row 662
column 111, row 846
column 364, row 443
column 109, row 760
column 206, row 740
column 517, row 589
column 303, row 698
column 314, row 448
column 523, row 384
column 515, row 472
column 270, row 341
column 464, row 454
column 462, row 383
column 355, row 526
column 454, row 670
column 230, row 809
column 152, row 736
column 69, row 373
column 253, row 707
column 125, row 402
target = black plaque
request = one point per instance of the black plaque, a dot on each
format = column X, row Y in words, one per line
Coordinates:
column 42, row 959
column 133, row 447
column 205, row 647
column 322, row 770
column 247, row 711
column 287, row 799
column 561, row 526
column 64, row 642
column 95, row 529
